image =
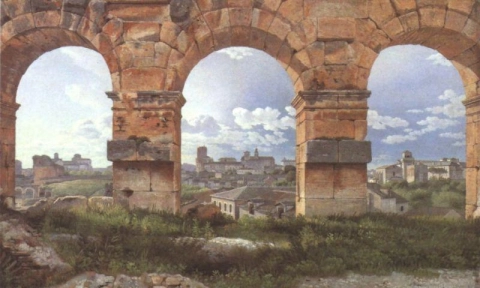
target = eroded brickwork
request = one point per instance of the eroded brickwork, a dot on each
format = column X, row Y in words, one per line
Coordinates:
column 153, row 45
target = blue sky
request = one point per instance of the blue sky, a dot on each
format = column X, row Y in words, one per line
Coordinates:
column 239, row 99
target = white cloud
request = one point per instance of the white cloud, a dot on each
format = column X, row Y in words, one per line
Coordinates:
column 379, row 122
column 237, row 53
column 459, row 135
column 291, row 111
column 459, row 144
column 89, row 96
column 89, row 60
column 439, row 59
column 201, row 124
column 267, row 117
column 435, row 123
column 234, row 139
column 87, row 129
column 430, row 124
column 415, row 111
column 453, row 109
column 380, row 160
column 408, row 130
column 87, row 137
column 396, row 139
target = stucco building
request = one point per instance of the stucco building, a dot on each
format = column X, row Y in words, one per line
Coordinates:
column 76, row 164
column 255, row 202
column 385, row 200
column 412, row 170
column 255, row 164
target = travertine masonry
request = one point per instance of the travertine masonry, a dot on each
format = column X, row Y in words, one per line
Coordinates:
column 151, row 46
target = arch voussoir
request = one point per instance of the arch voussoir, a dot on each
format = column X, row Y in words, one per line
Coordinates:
column 23, row 23
column 432, row 17
column 47, row 19
column 87, row 28
column 69, row 21
column 472, row 30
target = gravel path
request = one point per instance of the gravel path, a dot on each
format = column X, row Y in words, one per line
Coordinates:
column 445, row 279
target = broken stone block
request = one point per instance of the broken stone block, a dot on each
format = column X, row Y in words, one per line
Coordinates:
column 69, row 202
column 351, row 151
column 100, row 202
column 121, row 150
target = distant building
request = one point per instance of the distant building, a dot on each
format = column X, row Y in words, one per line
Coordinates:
column 18, row 168
column 255, row 202
column 253, row 163
column 412, row 170
column 385, row 200
column 287, row 162
column 44, row 168
column 77, row 164
column 257, row 162
column 388, row 173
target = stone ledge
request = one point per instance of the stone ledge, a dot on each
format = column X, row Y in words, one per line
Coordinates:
column 351, row 151
column 130, row 150
column 335, row 151
column 314, row 96
column 121, row 150
column 321, row 151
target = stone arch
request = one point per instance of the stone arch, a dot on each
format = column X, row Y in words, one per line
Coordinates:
column 453, row 29
column 29, row 191
column 327, row 47
column 209, row 27
column 450, row 27
column 18, row 191
column 29, row 29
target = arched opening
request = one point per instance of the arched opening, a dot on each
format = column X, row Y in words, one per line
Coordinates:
column 18, row 54
column 64, row 120
column 416, row 115
column 237, row 120
column 29, row 193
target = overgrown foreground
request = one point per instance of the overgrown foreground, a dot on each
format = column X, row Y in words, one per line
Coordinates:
column 137, row 242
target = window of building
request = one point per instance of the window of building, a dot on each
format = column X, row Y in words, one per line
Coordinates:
column 230, row 208
column 401, row 208
column 225, row 207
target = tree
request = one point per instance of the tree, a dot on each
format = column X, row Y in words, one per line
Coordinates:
column 289, row 168
column 291, row 176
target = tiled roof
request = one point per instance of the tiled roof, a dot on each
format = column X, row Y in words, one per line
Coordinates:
column 251, row 192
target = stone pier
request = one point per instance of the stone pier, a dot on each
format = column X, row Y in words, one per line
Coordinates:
column 146, row 150
column 7, row 153
column 331, row 154
column 472, row 173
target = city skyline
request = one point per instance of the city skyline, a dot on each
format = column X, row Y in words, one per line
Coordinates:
column 256, row 114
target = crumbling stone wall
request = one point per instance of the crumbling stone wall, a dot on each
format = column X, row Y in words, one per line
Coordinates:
column 327, row 48
column 44, row 168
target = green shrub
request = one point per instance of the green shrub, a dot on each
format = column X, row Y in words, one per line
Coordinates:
column 133, row 242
